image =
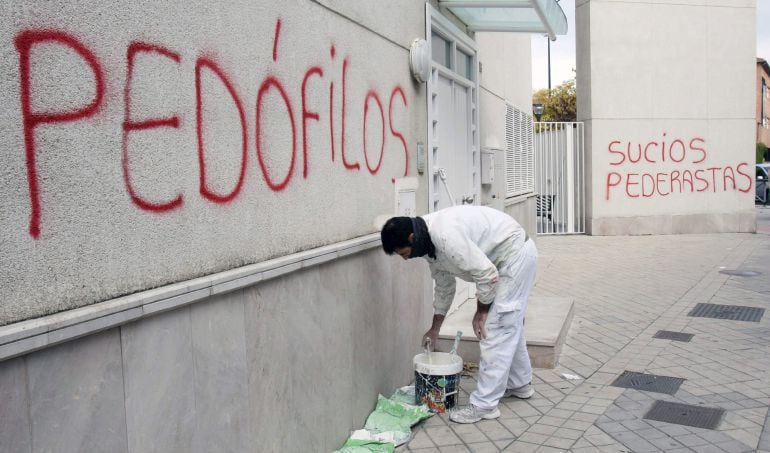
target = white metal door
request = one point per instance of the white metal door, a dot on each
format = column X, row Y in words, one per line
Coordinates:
column 560, row 178
column 452, row 143
column 453, row 135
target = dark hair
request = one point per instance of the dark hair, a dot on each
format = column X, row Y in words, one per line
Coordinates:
column 395, row 234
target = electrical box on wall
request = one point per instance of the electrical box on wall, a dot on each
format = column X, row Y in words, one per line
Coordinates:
column 407, row 204
column 406, row 197
column 487, row 166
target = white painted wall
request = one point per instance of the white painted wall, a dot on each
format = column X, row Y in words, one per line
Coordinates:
column 650, row 73
column 90, row 241
column 506, row 75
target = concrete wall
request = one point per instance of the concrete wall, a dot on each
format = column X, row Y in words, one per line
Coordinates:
column 292, row 364
column 506, row 75
column 522, row 209
column 188, row 193
column 146, row 143
column 155, row 156
column 674, row 83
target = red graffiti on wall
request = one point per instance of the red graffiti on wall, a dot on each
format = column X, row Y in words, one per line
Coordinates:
column 275, row 179
column 348, row 165
column 263, row 89
column 130, row 125
column 692, row 179
column 205, row 190
column 373, row 95
column 400, row 91
column 24, row 42
column 308, row 115
column 275, row 39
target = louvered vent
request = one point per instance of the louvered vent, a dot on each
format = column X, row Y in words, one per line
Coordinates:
column 519, row 152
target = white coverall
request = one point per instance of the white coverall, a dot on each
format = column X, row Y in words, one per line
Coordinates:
column 487, row 247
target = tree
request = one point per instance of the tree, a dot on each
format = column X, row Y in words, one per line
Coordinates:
column 561, row 105
column 762, row 154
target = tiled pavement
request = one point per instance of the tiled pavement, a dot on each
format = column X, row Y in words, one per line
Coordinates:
column 626, row 289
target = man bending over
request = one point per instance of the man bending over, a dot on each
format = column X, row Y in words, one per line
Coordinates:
column 487, row 247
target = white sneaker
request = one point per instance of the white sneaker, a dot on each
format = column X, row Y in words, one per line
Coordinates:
column 472, row 414
column 523, row 392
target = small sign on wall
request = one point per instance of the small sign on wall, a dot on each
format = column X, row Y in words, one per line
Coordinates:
column 407, row 204
column 406, row 197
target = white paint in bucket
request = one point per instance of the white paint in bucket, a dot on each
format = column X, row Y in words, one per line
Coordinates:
column 438, row 363
column 437, row 379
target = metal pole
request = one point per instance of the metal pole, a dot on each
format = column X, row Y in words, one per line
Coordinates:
column 549, row 65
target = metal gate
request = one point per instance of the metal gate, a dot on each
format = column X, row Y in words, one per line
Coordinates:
column 560, row 178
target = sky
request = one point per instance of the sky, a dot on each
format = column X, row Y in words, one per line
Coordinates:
column 563, row 49
column 562, row 52
column 763, row 32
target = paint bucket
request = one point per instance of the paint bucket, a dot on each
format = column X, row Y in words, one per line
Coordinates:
column 437, row 380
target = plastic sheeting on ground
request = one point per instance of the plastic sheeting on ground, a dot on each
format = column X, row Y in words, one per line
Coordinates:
column 389, row 425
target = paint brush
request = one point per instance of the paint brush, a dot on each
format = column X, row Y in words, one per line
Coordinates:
column 456, row 343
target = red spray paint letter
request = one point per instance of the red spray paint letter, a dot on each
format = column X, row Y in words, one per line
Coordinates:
column 612, row 151
column 263, row 89
column 24, row 42
column 354, row 165
column 309, row 115
column 395, row 133
column 611, row 183
column 749, row 179
column 275, row 39
column 371, row 94
column 130, row 125
column 207, row 193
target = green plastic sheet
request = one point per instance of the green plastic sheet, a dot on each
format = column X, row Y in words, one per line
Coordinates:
column 391, row 419
column 394, row 416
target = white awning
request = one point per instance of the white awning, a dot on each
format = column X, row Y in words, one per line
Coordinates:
column 520, row 16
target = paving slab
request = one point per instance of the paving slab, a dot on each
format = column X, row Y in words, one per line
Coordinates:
column 625, row 290
column 546, row 323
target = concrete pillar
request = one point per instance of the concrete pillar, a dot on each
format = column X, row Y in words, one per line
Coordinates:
column 666, row 92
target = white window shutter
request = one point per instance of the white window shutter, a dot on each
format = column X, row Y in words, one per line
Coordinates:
column 519, row 152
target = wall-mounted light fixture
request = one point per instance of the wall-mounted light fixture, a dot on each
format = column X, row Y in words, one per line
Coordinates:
column 419, row 60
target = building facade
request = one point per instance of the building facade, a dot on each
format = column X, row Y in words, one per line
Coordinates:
column 671, row 148
column 191, row 198
column 763, row 103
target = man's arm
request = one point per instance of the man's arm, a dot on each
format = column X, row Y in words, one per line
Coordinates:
column 443, row 294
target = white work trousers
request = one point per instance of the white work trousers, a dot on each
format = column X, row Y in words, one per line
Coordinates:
column 504, row 358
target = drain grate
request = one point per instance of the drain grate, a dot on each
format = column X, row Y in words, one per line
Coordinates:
column 731, row 312
column 648, row 382
column 740, row 273
column 676, row 336
column 685, row 414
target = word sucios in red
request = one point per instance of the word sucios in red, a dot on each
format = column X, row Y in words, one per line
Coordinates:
column 667, row 152
column 300, row 116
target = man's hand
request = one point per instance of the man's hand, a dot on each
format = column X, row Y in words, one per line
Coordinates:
column 431, row 335
column 480, row 319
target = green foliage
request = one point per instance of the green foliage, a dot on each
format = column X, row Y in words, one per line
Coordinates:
column 761, row 152
column 561, row 105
